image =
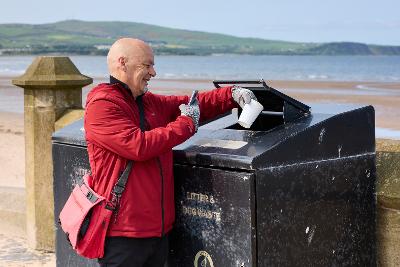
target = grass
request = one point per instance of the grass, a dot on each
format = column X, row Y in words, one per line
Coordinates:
column 77, row 33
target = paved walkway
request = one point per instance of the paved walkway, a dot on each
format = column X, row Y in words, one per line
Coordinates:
column 14, row 252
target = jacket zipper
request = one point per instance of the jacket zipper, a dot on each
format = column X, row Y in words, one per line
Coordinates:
column 162, row 196
column 142, row 127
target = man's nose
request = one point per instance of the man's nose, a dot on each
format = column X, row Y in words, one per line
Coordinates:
column 152, row 71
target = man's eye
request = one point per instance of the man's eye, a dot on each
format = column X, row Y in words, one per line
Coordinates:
column 147, row 66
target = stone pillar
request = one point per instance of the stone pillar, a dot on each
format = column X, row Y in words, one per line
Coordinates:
column 388, row 195
column 52, row 87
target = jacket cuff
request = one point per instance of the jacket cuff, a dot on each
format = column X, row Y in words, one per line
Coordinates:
column 229, row 97
column 189, row 122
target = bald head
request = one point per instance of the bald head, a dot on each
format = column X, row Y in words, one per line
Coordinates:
column 131, row 61
column 128, row 48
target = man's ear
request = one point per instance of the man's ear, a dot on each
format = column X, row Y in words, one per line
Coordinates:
column 122, row 63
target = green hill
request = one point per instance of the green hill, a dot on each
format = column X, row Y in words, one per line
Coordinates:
column 348, row 48
column 83, row 37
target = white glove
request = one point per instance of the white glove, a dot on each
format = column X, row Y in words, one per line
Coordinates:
column 192, row 111
column 242, row 95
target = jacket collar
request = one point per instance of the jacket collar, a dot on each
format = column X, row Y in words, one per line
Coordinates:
column 114, row 80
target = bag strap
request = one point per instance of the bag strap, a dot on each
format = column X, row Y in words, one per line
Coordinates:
column 119, row 187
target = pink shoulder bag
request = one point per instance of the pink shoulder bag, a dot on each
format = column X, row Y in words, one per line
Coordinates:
column 86, row 215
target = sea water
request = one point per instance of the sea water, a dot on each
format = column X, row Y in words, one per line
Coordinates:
column 309, row 68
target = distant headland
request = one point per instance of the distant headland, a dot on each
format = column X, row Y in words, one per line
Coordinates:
column 94, row 38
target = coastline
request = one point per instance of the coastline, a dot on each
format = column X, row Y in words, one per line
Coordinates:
column 384, row 96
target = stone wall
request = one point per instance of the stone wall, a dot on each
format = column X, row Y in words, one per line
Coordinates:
column 388, row 206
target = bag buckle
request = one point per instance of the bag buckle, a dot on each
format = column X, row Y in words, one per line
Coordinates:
column 114, row 205
column 91, row 197
column 115, row 201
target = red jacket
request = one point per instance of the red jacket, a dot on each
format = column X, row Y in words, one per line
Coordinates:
column 113, row 136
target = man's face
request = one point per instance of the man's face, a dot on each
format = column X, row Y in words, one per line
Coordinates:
column 140, row 69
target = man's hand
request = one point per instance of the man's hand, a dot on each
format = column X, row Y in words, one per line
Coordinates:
column 242, row 95
column 192, row 111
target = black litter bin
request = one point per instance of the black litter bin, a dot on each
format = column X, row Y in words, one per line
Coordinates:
column 296, row 189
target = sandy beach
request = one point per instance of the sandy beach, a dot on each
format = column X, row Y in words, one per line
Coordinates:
column 385, row 97
column 12, row 150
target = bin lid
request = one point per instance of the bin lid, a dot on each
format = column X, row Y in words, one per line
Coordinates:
column 313, row 137
column 72, row 134
column 236, row 148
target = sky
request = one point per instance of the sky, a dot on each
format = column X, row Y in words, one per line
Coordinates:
column 366, row 21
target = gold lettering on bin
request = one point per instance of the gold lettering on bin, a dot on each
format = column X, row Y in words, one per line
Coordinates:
column 212, row 200
column 200, row 197
column 203, row 198
column 202, row 213
column 81, row 171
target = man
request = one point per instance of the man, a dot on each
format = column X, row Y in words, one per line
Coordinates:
column 123, row 121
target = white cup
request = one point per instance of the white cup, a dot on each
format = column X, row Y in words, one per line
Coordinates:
column 250, row 113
